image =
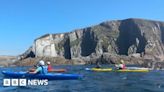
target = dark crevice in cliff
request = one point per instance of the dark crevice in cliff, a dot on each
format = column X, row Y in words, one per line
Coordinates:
column 162, row 36
column 67, row 51
column 89, row 42
column 162, row 33
column 129, row 33
column 28, row 53
column 142, row 43
column 31, row 54
column 123, row 41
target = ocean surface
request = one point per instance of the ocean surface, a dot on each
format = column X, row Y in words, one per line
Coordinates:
column 152, row 81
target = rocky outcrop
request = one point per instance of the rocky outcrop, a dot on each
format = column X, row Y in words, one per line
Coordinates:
column 7, row 60
column 137, row 38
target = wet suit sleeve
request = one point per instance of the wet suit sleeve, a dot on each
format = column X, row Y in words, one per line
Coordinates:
column 38, row 70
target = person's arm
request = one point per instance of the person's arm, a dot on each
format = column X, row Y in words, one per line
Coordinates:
column 36, row 71
column 116, row 65
column 31, row 70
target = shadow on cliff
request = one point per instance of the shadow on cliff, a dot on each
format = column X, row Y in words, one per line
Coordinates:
column 162, row 32
column 128, row 36
column 89, row 42
column 67, row 52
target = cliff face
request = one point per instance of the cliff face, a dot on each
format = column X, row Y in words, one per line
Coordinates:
column 130, row 37
column 123, row 37
column 79, row 43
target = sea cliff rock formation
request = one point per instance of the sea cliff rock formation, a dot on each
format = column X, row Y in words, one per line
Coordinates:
column 7, row 60
column 134, row 39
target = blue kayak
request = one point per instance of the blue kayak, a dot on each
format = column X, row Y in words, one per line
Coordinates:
column 49, row 76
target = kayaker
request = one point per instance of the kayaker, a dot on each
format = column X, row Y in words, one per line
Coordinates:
column 49, row 66
column 121, row 65
column 98, row 65
column 41, row 69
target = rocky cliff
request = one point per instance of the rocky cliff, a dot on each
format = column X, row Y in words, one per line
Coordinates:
column 129, row 38
column 7, row 60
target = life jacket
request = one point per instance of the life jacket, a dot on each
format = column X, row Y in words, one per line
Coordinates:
column 124, row 67
column 49, row 67
column 44, row 70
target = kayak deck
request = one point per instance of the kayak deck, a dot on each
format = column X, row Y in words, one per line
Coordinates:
column 128, row 70
column 57, row 70
column 138, row 68
column 100, row 69
column 49, row 76
column 111, row 70
column 53, row 70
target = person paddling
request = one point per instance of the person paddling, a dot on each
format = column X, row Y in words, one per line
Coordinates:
column 98, row 65
column 51, row 69
column 41, row 69
column 121, row 65
column 49, row 66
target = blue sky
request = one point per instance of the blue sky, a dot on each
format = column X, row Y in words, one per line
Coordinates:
column 22, row 21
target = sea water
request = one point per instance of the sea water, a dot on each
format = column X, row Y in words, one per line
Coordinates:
column 152, row 81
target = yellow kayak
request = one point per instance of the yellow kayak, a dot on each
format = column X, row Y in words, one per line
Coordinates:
column 110, row 70
column 99, row 69
column 128, row 70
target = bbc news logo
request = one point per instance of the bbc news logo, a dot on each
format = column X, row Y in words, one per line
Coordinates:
column 24, row 82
